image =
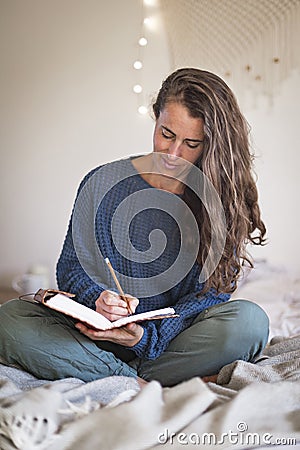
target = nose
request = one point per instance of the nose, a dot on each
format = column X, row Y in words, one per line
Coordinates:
column 174, row 150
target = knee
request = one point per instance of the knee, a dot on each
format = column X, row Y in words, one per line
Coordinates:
column 253, row 317
column 8, row 312
column 251, row 327
column 8, row 327
column 13, row 316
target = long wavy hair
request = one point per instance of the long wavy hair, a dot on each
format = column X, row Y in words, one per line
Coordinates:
column 227, row 161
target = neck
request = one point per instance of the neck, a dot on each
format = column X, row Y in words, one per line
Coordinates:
column 144, row 165
column 165, row 183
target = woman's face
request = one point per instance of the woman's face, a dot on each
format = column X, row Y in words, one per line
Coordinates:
column 178, row 137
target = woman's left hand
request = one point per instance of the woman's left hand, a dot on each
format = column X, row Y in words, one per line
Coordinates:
column 128, row 335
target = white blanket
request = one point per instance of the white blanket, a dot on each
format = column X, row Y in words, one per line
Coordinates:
column 251, row 405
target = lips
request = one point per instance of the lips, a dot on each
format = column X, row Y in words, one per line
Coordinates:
column 169, row 165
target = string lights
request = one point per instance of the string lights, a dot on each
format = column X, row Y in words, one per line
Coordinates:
column 138, row 64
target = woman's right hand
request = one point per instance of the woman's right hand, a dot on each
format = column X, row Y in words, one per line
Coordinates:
column 113, row 307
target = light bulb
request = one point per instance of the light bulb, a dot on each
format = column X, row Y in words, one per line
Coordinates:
column 142, row 109
column 137, row 64
column 137, row 88
column 143, row 41
column 147, row 20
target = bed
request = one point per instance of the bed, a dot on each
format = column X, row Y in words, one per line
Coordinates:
column 250, row 405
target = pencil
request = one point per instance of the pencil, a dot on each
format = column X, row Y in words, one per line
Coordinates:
column 121, row 292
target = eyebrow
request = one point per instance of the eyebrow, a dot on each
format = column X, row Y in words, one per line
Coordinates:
column 174, row 134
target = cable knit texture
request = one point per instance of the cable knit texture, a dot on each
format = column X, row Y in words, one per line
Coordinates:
column 102, row 225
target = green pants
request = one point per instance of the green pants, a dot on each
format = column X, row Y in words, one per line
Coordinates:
column 46, row 344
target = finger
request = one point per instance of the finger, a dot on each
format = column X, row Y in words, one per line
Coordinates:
column 118, row 335
column 113, row 312
column 131, row 297
column 90, row 332
column 128, row 335
column 133, row 303
column 131, row 327
column 113, row 299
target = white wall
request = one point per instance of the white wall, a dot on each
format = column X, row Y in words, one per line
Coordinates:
column 67, row 106
column 276, row 141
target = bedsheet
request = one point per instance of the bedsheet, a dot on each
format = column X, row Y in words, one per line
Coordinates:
column 277, row 290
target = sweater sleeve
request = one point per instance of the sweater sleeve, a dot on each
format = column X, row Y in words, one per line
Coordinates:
column 158, row 334
column 71, row 277
column 70, row 274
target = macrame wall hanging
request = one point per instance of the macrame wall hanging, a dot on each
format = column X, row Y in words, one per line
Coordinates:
column 252, row 44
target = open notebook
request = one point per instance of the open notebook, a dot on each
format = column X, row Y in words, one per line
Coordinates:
column 63, row 303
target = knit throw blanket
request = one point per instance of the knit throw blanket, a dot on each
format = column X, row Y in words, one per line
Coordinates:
column 251, row 405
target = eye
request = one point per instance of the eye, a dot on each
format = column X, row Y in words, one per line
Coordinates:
column 193, row 145
column 166, row 134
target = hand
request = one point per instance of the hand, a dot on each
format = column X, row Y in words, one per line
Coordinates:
column 128, row 336
column 113, row 307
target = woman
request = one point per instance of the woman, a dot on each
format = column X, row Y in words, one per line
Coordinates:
column 174, row 224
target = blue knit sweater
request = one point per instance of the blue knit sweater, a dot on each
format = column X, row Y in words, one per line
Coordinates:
column 117, row 215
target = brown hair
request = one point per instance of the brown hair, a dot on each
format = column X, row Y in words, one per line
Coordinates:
column 226, row 160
